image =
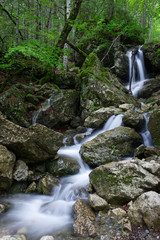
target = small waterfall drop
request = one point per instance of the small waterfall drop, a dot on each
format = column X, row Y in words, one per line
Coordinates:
column 147, row 139
column 136, row 71
column 41, row 214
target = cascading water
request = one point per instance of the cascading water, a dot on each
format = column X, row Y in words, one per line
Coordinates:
column 48, row 214
column 137, row 72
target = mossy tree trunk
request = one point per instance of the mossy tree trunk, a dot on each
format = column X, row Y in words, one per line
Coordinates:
column 69, row 23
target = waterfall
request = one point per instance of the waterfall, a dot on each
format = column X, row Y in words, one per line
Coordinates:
column 48, row 214
column 139, row 73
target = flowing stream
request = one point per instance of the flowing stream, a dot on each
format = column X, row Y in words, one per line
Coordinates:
column 41, row 214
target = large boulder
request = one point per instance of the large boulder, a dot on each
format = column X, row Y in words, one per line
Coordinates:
column 110, row 146
column 32, row 145
column 7, row 161
column 100, row 88
column 60, row 109
column 134, row 120
column 12, row 104
column 121, row 64
column 154, row 127
column 98, row 117
column 64, row 165
column 146, row 209
column 150, row 88
column 121, row 182
column 84, row 219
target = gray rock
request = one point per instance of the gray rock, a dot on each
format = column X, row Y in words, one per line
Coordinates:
column 121, row 182
column 28, row 144
column 100, row 88
column 13, row 106
column 144, row 152
column 150, row 88
column 13, row 237
column 7, row 161
column 63, row 166
column 121, row 65
column 47, row 238
column 97, row 202
column 84, row 219
column 146, row 209
column 21, row 171
column 64, row 105
column 134, row 120
column 100, row 116
column 110, row 146
column 154, row 127
column 47, row 183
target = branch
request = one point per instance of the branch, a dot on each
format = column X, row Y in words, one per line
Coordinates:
column 10, row 17
column 76, row 49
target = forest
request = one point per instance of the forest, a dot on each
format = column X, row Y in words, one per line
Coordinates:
column 47, row 30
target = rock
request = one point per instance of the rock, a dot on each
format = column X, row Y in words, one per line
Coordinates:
column 121, row 65
column 119, row 212
column 13, row 237
column 63, row 166
column 46, row 184
column 12, row 105
column 97, row 202
column 134, row 120
column 28, row 144
column 21, row 171
column 154, row 127
column 3, row 208
column 7, row 161
column 100, row 116
column 63, row 108
column 100, row 88
column 47, row 238
column 150, row 88
column 110, row 146
column 123, row 181
column 84, row 219
column 144, row 152
column 31, row 188
column 146, row 209
column 126, row 107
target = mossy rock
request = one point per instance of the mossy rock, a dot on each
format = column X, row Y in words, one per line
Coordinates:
column 154, row 127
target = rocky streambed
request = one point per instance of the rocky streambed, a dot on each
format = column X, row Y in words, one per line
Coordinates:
column 122, row 200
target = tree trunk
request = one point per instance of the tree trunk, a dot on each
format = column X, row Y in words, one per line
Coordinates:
column 17, row 24
column 69, row 24
column 150, row 28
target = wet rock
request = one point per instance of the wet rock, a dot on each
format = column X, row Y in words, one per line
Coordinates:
column 28, row 144
column 3, row 208
column 121, row 65
column 7, row 161
column 100, row 88
column 63, row 108
column 21, row 171
column 154, row 127
column 119, row 212
column 46, row 184
column 144, row 152
column 13, row 237
column 146, row 209
column 97, row 118
column 12, row 105
column 110, row 146
column 47, row 238
column 150, row 88
column 134, row 120
column 31, row 188
column 123, row 181
column 63, row 166
column 126, row 107
column 97, row 202
column 84, row 219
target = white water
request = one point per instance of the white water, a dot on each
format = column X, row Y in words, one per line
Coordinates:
column 147, row 139
column 41, row 214
column 139, row 72
column 44, row 106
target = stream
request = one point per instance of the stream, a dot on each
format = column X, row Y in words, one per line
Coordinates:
column 41, row 214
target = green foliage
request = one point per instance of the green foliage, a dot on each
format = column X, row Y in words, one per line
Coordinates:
column 44, row 54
